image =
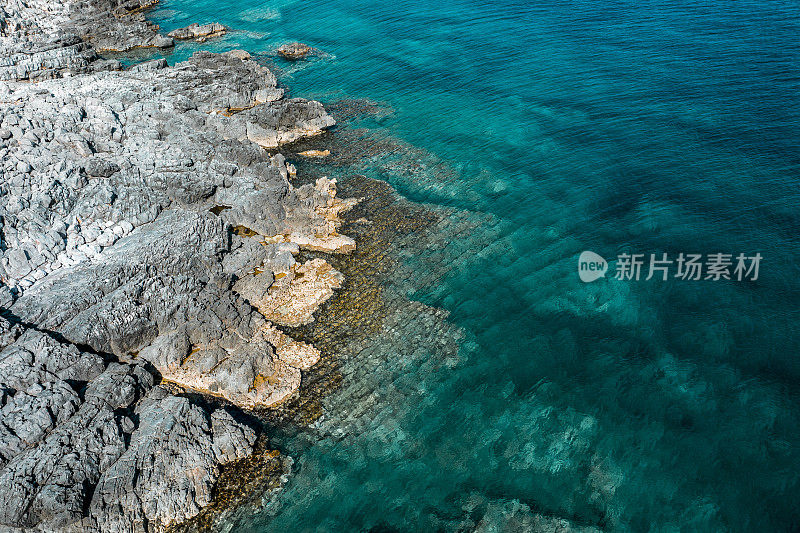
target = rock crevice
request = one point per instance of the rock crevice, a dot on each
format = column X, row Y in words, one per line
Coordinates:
column 142, row 217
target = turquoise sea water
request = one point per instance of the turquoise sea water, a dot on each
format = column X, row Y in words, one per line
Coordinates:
column 553, row 128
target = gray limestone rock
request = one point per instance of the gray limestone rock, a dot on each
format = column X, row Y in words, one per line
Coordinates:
column 153, row 64
column 197, row 31
column 91, row 446
column 111, row 25
column 99, row 167
column 131, row 204
column 137, row 255
column 166, row 474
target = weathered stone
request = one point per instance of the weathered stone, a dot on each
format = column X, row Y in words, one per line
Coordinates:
column 294, row 51
column 137, row 207
column 294, row 296
column 167, row 473
column 62, row 453
column 197, row 31
column 154, row 64
column 98, row 167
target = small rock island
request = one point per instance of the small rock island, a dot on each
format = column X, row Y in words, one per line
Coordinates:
column 294, row 51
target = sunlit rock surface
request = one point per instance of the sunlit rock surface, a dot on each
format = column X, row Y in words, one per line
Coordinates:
column 134, row 203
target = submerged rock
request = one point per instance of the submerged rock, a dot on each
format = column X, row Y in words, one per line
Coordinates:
column 515, row 516
column 315, row 153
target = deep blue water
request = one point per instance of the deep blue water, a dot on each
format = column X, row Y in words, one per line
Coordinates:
column 639, row 127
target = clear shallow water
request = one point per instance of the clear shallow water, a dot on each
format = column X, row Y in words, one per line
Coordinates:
column 553, row 128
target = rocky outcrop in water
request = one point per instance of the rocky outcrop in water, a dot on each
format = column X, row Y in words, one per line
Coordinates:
column 198, row 32
column 144, row 229
column 294, row 51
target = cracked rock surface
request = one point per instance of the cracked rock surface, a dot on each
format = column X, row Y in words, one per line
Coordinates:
column 110, row 186
column 88, row 445
column 148, row 232
column 108, row 232
column 198, row 32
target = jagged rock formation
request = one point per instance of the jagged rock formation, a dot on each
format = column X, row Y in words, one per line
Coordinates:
column 198, row 32
column 34, row 46
column 295, row 295
column 108, row 235
column 294, row 51
column 114, row 25
column 142, row 218
column 42, row 39
column 78, row 433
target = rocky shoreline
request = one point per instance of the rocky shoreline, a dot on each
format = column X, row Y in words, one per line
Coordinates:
column 149, row 240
